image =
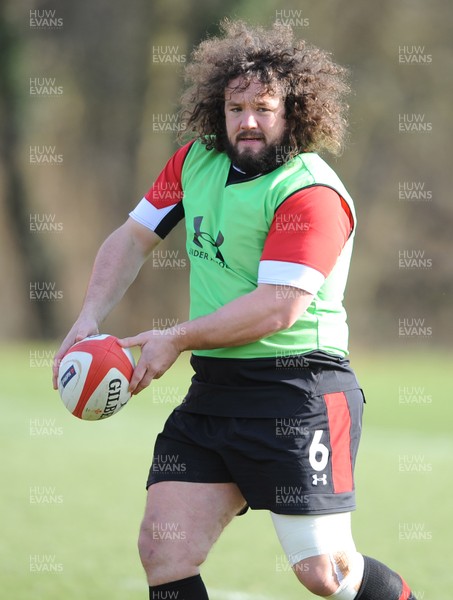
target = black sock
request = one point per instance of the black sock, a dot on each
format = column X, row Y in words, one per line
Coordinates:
column 381, row 583
column 191, row 588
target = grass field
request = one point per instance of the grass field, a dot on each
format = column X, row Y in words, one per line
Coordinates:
column 73, row 492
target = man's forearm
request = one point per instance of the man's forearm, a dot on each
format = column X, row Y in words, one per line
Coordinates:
column 116, row 266
column 244, row 320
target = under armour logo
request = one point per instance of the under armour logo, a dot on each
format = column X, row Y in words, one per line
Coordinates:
column 207, row 237
column 316, row 479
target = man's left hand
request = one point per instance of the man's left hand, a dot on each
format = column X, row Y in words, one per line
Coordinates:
column 159, row 350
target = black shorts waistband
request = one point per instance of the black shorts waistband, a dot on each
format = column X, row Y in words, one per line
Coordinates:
column 264, row 387
column 252, row 371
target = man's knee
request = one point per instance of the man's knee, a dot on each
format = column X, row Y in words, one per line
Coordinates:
column 339, row 573
column 148, row 549
column 165, row 553
column 317, row 575
column 164, row 543
column 311, row 544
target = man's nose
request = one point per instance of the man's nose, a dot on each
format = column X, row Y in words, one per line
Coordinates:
column 248, row 120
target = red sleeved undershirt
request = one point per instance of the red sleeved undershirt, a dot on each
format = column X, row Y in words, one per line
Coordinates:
column 167, row 188
column 310, row 228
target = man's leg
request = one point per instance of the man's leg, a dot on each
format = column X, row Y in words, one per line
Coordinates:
column 181, row 523
column 337, row 577
column 322, row 553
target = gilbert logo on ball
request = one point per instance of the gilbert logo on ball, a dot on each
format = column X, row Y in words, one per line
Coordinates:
column 93, row 377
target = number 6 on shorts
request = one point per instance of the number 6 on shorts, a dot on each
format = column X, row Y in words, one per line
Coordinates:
column 318, row 454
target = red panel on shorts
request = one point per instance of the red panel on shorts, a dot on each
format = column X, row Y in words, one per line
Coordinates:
column 406, row 591
column 340, row 441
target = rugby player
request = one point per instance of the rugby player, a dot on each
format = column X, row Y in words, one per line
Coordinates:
column 272, row 418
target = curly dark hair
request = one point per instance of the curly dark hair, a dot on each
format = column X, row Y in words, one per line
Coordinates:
column 312, row 85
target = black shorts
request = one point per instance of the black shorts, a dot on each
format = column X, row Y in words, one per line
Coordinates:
column 301, row 463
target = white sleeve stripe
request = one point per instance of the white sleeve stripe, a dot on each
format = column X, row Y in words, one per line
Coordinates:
column 287, row 273
column 148, row 215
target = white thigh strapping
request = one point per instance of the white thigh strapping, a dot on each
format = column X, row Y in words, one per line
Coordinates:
column 302, row 536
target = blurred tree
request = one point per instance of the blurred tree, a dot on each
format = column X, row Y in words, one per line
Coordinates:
column 31, row 259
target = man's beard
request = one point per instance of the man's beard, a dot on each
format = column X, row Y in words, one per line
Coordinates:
column 268, row 158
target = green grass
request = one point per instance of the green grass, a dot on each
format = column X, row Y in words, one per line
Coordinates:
column 95, row 474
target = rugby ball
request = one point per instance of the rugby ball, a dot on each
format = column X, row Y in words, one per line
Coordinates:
column 93, row 377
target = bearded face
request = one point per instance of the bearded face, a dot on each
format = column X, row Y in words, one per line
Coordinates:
column 256, row 129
